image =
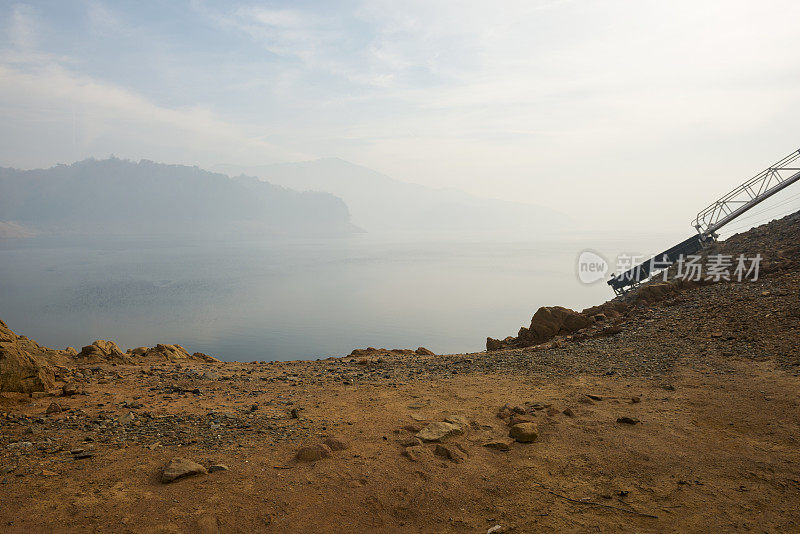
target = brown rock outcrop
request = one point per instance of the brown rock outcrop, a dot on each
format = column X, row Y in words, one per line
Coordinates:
column 172, row 353
column 24, row 366
column 103, row 351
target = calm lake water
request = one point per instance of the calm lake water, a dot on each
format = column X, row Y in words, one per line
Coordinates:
column 267, row 300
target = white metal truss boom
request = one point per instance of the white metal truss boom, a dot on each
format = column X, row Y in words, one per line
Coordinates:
column 754, row 191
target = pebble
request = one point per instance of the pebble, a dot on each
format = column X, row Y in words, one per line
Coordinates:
column 312, row 453
column 627, row 420
column 498, row 445
column 451, row 452
column 336, row 444
column 180, row 468
column 524, row 432
column 217, row 467
column 438, row 431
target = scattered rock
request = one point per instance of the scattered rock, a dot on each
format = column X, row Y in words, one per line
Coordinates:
column 457, row 420
column 594, row 397
column 217, row 467
column 451, row 452
column 497, row 529
column 413, row 453
column 517, row 419
column 181, row 468
column 80, row 454
column 627, row 420
column 207, row 524
column 54, row 408
column 438, row 431
column 127, row 418
column 410, row 442
column 568, row 412
column 498, row 445
column 336, row 444
column 636, row 400
column 312, row 453
column 69, row 389
column 524, row 432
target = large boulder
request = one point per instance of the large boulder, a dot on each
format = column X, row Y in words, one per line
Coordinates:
column 548, row 322
column 24, row 365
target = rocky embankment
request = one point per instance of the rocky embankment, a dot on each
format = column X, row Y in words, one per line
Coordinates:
column 777, row 243
column 27, row 367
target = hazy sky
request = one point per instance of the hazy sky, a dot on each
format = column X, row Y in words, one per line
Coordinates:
column 640, row 111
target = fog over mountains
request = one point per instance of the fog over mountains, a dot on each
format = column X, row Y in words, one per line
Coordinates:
column 314, row 198
column 119, row 197
column 383, row 205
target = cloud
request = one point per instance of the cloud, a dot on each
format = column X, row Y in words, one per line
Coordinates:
column 22, row 26
column 74, row 116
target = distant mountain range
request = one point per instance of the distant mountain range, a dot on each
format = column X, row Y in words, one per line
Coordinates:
column 382, row 205
column 119, row 197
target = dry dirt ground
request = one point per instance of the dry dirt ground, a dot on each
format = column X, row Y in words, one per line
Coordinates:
column 714, row 371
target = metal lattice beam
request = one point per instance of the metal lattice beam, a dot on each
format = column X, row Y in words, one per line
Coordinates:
column 751, row 193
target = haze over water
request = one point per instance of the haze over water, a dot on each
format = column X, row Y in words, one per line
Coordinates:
column 284, row 300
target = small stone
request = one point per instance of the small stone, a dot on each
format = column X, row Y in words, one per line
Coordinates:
column 217, row 467
column 207, row 524
column 636, row 400
column 127, row 418
column 438, row 431
column 336, row 444
column 69, row 389
column 668, row 387
column 54, row 408
column 517, row 419
column 524, row 432
column 457, row 420
column 568, row 412
column 451, row 452
column 181, row 468
column 410, row 442
column 312, row 453
column 413, row 453
column 627, row 420
column 498, row 445
column 594, row 397
column 497, row 529
column 294, row 413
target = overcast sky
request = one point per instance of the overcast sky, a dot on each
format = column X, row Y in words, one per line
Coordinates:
column 641, row 111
